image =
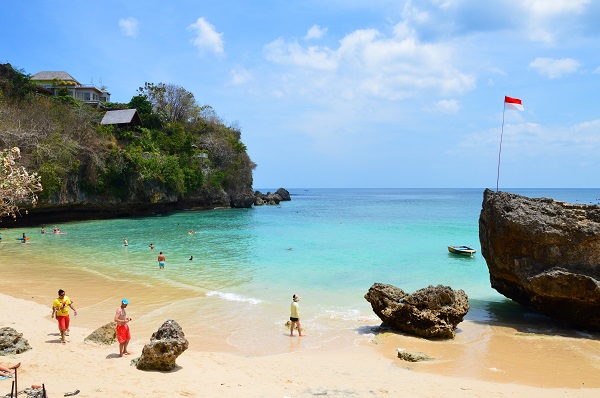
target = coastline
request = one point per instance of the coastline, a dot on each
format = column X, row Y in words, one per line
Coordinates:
column 232, row 303
column 353, row 371
column 483, row 360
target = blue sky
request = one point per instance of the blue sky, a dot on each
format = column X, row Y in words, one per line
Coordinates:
column 348, row 93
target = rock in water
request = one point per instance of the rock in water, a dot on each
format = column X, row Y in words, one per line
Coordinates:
column 166, row 344
column 431, row 312
column 544, row 254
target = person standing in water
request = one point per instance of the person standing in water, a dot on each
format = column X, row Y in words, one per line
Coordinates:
column 295, row 315
column 161, row 260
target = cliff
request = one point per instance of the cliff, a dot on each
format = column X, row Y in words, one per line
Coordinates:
column 544, row 254
column 92, row 168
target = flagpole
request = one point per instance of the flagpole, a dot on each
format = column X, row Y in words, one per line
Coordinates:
column 500, row 150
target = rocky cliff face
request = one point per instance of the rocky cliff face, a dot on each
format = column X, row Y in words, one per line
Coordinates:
column 544, row 254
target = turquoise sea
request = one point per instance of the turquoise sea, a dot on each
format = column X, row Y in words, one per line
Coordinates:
column 326, row 245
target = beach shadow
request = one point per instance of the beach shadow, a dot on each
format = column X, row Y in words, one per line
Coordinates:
column 54, row 341
column 177, row 368
column 505, row 313
column 113, row 356
column 508, row 313
column 379, row 329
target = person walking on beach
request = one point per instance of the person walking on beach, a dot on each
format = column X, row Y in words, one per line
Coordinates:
column 123, row 333
column 60, row 308
column 295, row 315
column 161, row 260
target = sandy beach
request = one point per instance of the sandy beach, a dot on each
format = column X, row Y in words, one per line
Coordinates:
column 482, row 362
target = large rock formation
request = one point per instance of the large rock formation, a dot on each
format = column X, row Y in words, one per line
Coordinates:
column 545, row 254
column 271, row 198
column 12, row 342
column 166, row 344
column 431, row 312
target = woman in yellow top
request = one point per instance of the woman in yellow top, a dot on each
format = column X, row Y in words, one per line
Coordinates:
column 60, row 307
column 295, row 315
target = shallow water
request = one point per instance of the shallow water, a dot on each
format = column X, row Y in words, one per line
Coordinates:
column 327, row 245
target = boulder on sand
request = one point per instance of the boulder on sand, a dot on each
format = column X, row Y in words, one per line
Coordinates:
column 166, row 344
column 431, row 312
column 104, row 335
column 12, row 342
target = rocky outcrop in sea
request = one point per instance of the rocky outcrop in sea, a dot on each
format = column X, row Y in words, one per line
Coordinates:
column 544, row 254
column 271, row 198
column 432, row 312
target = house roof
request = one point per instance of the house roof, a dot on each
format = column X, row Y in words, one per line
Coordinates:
column 51, row 75
column 121, row 117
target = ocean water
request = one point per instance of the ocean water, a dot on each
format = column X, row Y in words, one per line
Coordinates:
column 326, row 245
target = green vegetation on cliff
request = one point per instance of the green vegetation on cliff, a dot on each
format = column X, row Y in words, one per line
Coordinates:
column 181, row 152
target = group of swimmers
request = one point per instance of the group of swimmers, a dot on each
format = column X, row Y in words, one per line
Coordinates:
column 55, row 231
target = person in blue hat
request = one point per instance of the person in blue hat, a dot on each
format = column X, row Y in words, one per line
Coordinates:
column 123, row 333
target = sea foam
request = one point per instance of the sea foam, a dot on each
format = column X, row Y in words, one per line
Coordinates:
column 234, row 297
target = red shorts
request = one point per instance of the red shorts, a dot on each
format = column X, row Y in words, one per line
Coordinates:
column 123, row 333
column 63, row 322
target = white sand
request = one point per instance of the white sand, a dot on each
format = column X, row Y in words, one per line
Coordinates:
column 359, row 371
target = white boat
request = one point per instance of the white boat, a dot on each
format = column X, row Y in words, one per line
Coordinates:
column 463, row 250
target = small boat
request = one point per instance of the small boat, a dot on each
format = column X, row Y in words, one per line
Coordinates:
column 464, row 250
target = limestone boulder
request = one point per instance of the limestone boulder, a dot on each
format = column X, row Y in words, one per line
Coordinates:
column 413, row 356
column 433, row 312
column 166, row 344
column 12, row 342
column 544, row 254
column 104, row 335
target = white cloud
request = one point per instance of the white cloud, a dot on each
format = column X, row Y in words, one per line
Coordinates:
column 129, row 26
column 545, row 8
column 448, row 107
column 547, row 20
column 315, row 32
column 240, row 76
column 292, row 53
column 532, row 139
column 554, row 68
column 370, row 63
column 207, row 38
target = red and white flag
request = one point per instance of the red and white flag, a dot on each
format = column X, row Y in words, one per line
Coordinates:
column 513, row 103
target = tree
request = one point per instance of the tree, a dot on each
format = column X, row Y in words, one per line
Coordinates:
column 15, row 84
column 141, row 103
column 16, row 184
column 174, row 102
